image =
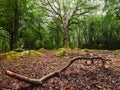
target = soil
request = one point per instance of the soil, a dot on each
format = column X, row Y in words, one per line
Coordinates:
column 79, row 76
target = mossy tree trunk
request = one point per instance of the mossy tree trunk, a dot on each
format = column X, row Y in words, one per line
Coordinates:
column 65, row 34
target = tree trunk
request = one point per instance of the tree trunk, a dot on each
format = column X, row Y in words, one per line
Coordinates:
column 79, row 41
column 16, row 23
column 11, row 42
column 15, row 32
column 65, row 34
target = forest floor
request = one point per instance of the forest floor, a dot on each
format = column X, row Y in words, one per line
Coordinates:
column 79, row 76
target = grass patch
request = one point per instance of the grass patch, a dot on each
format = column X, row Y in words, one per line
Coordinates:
column 2, row 56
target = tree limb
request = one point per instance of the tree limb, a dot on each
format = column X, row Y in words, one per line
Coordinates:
column 52, row 74
column 79, row 4
column 52, row 10
column 51, row 7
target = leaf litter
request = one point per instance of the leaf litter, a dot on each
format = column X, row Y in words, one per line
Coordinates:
column 79, row 76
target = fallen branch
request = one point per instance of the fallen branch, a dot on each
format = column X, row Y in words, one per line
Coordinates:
column 52, row 74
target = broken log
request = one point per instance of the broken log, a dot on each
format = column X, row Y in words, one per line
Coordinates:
column 52, row 74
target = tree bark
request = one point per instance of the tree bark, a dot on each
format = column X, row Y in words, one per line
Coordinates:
column 11, row 42
column 65, row 34
column 52, row 74
column 14, row 35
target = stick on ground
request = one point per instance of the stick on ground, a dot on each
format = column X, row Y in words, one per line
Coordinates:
column 52, row 74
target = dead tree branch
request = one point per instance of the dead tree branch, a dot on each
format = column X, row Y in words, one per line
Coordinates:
column 52, row 74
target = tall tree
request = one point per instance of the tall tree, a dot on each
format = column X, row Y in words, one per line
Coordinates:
column 66, row 11
column 32, row 27
column 11, row 12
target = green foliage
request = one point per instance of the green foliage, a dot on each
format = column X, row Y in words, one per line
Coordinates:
column 112, row 8
column 27, row 25
column 102, row 33
column 11, row 17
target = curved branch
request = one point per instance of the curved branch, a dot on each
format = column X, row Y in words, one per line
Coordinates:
column 51, row 6
column 52, row 74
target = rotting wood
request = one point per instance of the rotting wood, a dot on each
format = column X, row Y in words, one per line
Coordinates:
column 52, row 74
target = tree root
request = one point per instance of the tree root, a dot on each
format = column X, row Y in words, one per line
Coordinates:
column 52, row 74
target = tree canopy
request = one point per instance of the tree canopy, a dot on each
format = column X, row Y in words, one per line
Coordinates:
column 51, row 24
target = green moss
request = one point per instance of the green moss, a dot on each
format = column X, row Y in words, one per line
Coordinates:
column 2, row 56
column 76, row 48
column 117, row 50
column 41, row 49
column 34, row 53
column 85, row 50
column 61, row 52
column 19, row 50
column 12, row 54
column 54, row 64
